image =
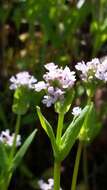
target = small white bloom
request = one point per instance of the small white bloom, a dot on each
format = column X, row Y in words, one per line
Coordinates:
column 101, row 73
column 22, row 79
column 8, row 139
column 46, row 186
column 48, row 100
column 80, row 3
column 40, row 86
column 68, row 78
column 51, row 66
column 76, row 111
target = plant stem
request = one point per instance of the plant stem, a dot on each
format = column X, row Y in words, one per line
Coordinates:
column 57, row 164
column 17, row 128
column 76, row 166
column 85, row 168
column 59, row 128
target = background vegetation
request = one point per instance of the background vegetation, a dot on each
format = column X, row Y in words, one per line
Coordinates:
column 35, row 32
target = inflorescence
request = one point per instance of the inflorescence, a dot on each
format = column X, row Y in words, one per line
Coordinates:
column 8, row 139
column 93, row 70
column 22, row 79
column 56, row 83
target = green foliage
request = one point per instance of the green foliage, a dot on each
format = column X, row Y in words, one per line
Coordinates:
column 49, row 131
column 90, row 127
column 21, row 152
column 4, row 161
column 69, row 137
column 9, row 163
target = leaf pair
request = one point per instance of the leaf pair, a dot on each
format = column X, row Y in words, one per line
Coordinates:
column 69, row 137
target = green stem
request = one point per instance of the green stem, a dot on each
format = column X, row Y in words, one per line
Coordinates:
column 57, row 165
column 13, row 150
column 85, row 167
column 3, row 184
column 76, row 166
column 59, row 128
column 17, row 128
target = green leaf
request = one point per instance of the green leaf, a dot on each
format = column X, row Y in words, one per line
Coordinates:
column 71, row 133
column 90, row 126
column 49, row 131
column 20, row 154
column 3, row 158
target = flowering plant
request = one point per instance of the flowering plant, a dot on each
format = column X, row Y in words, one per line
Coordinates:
column 58, row 87
column 10, row 156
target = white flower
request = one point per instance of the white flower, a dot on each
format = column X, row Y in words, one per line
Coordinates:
column 53, row 96
column 22, row 79
column 51, row 66
column 64, row 78
column 101, row 73
column 8, row 139
column 48, row 100
column 40, row 86
column 68, row 78
column 46, row 186
column 80, row 3
column 76, row 111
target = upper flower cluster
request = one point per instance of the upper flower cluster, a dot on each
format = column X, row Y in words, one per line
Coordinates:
column 22, row 79
column 8, row 139
column 56, row 82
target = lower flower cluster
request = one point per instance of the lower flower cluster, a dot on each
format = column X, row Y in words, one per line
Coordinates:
column 8, row 139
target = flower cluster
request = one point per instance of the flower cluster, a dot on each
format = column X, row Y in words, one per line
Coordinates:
column 93, row 69
column 56, row 82
column 22, row 79
column 88, row 69
column 101, row 73
column 8, row 139
column 46, row 186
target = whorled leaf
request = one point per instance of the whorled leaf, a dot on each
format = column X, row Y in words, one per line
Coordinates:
column 49, row 131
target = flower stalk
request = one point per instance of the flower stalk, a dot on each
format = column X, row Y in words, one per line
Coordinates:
column 57, row 164
column 76, row 166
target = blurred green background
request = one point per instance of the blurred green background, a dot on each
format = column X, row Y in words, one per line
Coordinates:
column 35, row 32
